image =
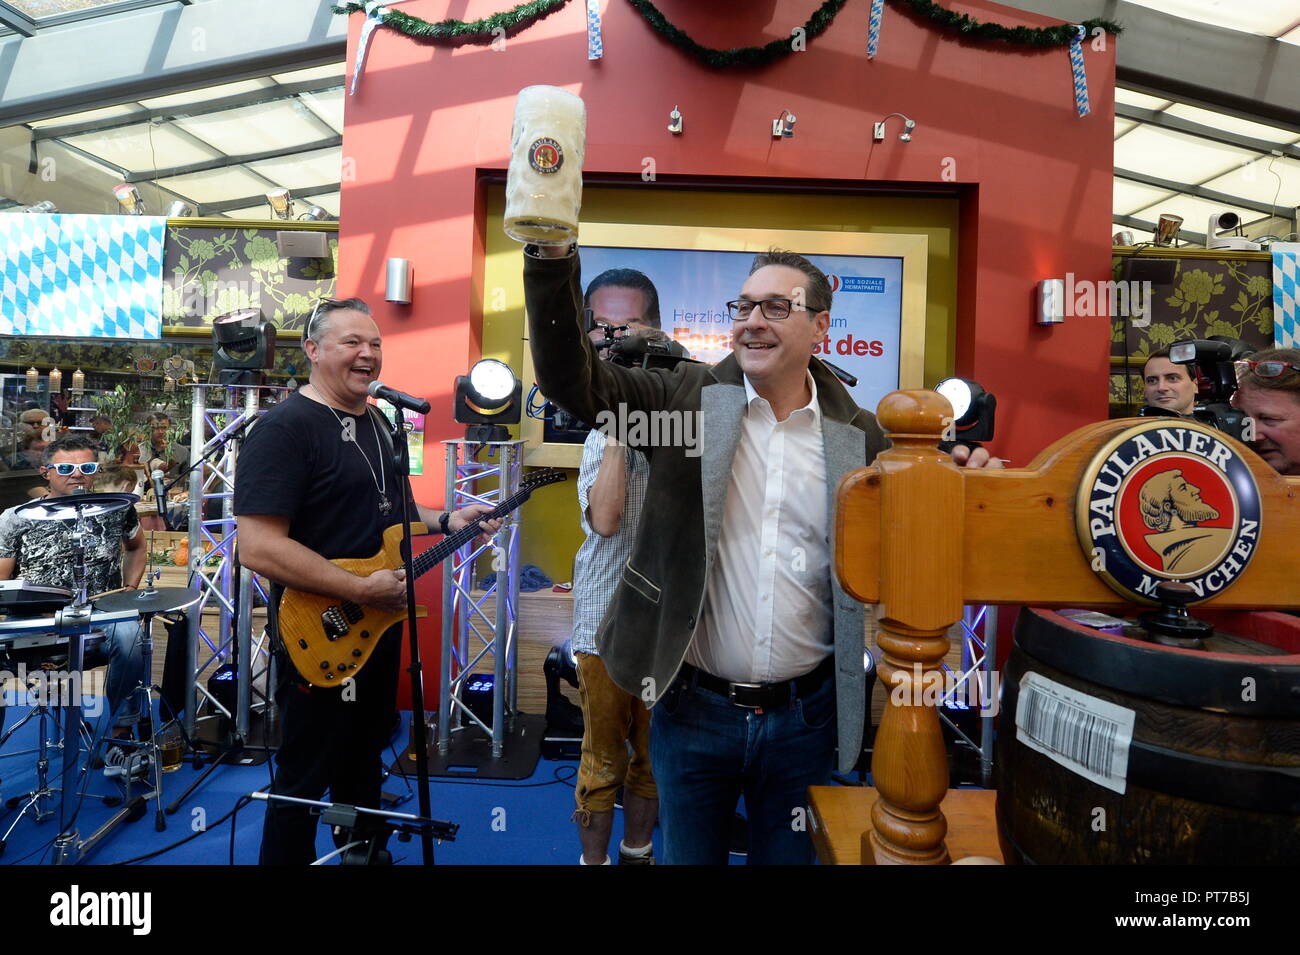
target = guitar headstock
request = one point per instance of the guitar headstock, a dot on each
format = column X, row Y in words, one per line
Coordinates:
column 542, row 478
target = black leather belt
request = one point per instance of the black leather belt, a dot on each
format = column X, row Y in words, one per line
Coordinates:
column 761, row 696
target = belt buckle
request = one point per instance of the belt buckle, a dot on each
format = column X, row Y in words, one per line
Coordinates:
column 731, row 695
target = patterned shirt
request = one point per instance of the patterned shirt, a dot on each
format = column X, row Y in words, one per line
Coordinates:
column 600, row 560
column 44, row 549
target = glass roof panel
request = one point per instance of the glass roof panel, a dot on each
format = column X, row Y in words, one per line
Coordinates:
column 1231, row 124
column 1195, row 212
column 1131, row 196
column 328, row 106
column 1263, row 180
column 217, row 185
column 1122, row 126
column 303, row 170
column 1265, row 17
column 1292, row 37
column 314, row 73
column 36, row 9
column 207, row 94
column 107, row 112
column 262, row 126
column 1172, row 155
column 1134, row 98
column 142, row 147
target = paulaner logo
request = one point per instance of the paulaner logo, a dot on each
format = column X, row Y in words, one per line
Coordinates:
column 1168, row 502
column 75, row 907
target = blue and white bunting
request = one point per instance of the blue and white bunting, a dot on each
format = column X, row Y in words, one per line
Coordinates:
column 873, row 27
column 1076, row 67
column 595, row 42
column 1286, row 299
column 79, row 276
column 375, row 14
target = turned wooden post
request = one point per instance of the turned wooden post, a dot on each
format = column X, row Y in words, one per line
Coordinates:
column 920, row 576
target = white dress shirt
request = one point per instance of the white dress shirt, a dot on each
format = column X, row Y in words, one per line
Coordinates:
column 767, row 612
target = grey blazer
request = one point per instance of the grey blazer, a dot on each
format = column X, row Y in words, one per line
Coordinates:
column 654, row 612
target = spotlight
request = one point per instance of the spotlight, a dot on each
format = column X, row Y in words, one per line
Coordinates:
column 281, row 203
column 1167, row 229
column 488, row 399
column 317, row 214
column 43, row 206
column 783, row 125
column 129, row 198
column 180, row 209
column 878, row 129
column 675, row 122
column 973, row 411
column 244, row 346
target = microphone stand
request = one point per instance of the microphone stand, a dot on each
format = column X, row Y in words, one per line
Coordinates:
column 402, row 460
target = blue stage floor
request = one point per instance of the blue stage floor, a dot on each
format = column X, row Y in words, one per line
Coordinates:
column 501, row 823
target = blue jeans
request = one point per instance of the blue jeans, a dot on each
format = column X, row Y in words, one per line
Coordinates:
column 123, row 653
column 707, row 752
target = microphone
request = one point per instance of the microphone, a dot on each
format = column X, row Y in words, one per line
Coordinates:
column 160, row 492
column 400, row 399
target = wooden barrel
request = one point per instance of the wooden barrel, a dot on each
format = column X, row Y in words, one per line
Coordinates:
column 1113, row 750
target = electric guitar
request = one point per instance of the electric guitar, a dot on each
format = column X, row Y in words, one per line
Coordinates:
column 330, row 640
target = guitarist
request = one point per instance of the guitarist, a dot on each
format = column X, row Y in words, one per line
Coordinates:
column 316, row 482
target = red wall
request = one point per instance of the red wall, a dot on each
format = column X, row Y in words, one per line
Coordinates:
column 998, row 120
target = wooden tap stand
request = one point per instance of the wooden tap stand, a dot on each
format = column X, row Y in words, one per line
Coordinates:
column 922, row 537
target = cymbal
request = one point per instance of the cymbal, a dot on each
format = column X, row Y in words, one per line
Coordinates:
column 158, row 600
column 69, row 507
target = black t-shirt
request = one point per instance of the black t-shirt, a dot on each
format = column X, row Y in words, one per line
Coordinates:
column 298, row 462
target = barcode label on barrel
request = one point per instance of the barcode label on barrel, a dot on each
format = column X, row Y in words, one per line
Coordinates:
column 1086, row 735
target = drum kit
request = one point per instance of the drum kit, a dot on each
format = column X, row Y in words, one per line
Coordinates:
column 50, row 627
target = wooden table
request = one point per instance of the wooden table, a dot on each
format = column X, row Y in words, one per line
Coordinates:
column 841, row 814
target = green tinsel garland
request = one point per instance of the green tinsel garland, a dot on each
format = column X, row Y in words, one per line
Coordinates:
column 485, row 29
column 1023, row 36
column 741, row 55
column 526, row 13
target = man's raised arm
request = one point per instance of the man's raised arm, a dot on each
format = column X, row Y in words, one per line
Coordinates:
column 569, row 371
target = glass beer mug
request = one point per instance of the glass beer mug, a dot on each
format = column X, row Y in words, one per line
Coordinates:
column 544, row 181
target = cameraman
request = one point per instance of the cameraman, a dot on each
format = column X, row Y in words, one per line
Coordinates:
column 1269, row 392
column 611, row 491
column 1167, row 385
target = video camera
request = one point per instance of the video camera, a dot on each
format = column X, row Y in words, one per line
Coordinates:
column 629, row 348
column 1211, row 363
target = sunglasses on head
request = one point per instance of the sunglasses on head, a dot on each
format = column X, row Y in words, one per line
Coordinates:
column 89, row 467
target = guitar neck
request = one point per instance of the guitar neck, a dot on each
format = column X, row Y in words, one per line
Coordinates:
column 435, row 555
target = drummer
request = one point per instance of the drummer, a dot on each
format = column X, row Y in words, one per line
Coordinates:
column 41, row 552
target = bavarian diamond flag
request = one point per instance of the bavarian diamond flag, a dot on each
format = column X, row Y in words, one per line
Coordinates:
column 81, row 276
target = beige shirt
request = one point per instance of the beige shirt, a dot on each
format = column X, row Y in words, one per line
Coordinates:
column 767, row 610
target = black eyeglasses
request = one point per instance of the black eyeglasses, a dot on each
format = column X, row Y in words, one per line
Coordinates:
column 1273, row 368
column 773, row 309
column 89, row 467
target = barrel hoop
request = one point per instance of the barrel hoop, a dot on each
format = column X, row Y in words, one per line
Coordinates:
column 1156, row 673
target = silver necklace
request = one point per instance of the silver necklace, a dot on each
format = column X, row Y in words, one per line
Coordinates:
column 380, row 481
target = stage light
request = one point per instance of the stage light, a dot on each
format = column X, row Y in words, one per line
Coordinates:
column 675, row 122
column 1167, row 229
column 878, row 130
column 973, row 411
column 244, row 346
column 317, row 214
column 281, row 203
column 43, row 206
column 129, row 198
column 180, row 209
column 488, row 399
column 783, row 125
